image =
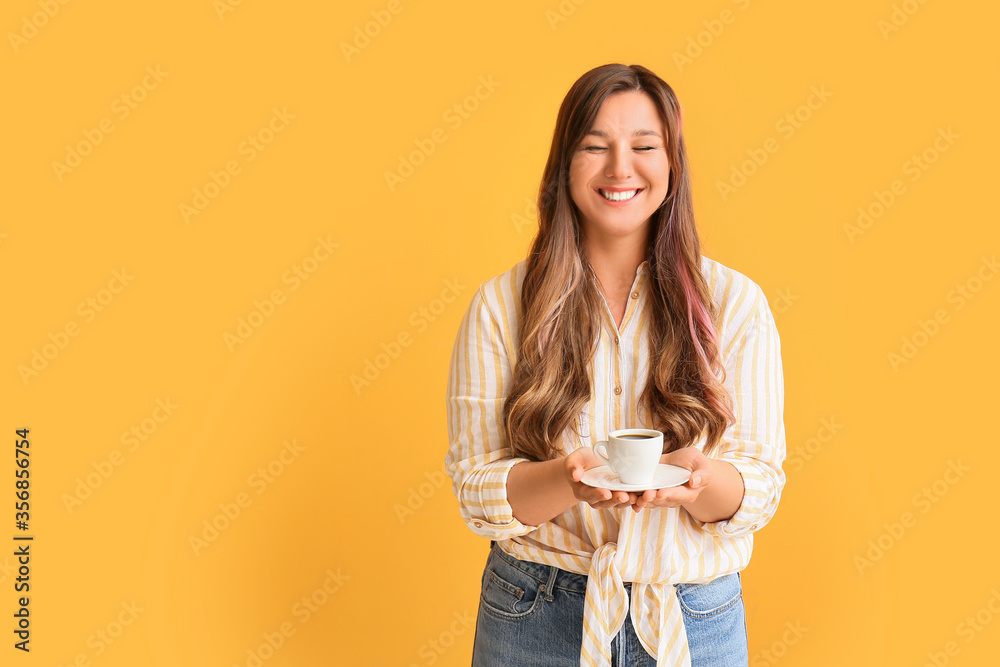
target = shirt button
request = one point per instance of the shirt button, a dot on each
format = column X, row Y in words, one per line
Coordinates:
column 616, row 340
column 618, row 390
column 635, row 295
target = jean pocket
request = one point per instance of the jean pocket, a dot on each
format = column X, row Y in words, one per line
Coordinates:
column 508, row 592
column 711, row 598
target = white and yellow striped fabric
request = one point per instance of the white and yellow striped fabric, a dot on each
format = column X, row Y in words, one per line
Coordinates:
column 654, row 548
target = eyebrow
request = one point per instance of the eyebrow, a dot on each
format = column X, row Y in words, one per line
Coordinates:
column 637, row 133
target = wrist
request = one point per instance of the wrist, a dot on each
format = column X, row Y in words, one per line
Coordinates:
column 539, row 490
column 722, row 495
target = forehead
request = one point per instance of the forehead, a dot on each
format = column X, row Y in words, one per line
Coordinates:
column 628, row 111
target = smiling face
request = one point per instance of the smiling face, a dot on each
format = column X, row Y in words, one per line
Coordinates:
column 620, row 172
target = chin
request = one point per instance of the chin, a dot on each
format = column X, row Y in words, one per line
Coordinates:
column 621, row 229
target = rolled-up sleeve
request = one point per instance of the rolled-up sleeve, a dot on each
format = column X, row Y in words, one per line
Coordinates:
column 755, row 443
column 478, row 459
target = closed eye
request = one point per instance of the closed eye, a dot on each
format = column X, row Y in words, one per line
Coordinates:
column 596, row 149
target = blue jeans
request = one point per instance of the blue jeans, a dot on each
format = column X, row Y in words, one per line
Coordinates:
column 532, row 614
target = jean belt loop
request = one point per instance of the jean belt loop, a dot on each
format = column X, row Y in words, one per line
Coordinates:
column 550, row 585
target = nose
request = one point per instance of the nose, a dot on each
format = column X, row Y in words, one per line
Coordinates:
column 619, row 164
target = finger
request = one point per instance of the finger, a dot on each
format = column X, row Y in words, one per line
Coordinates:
column 647, row 498
column 669, row 492
column 603, row 495
column 677, row 495
column 666, row 502
column 611, row 501
column 587, row 493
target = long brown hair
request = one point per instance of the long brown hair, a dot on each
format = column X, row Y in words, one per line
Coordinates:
column 560, row 304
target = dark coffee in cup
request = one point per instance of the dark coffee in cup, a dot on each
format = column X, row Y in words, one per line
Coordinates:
column 632, row 453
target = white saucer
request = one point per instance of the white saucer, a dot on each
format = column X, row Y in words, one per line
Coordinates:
column 665, row 476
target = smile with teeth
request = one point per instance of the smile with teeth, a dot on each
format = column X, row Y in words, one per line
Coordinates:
column 619, row 196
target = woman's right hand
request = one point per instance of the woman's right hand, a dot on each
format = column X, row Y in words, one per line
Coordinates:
column 580, row 462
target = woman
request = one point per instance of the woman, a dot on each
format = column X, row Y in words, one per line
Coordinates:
column 615, row 321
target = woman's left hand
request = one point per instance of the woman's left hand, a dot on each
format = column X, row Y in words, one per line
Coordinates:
column 676, row 496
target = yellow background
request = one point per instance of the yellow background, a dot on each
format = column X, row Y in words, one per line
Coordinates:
column 361, row 506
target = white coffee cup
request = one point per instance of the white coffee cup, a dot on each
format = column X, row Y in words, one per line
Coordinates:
column 633, row 453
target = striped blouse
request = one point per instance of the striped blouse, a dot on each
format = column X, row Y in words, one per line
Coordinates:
column 656, row 547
